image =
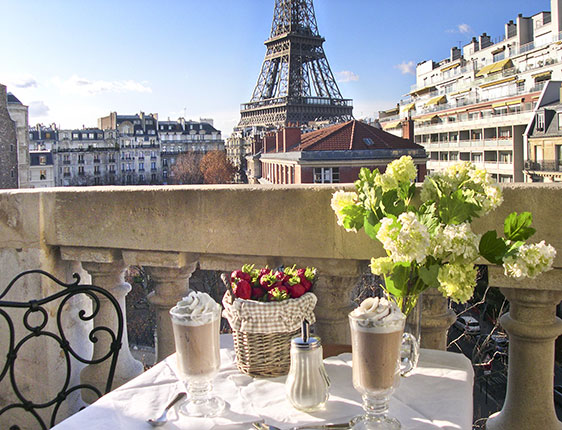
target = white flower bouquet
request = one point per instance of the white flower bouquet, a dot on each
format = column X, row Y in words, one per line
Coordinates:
column 431, row 244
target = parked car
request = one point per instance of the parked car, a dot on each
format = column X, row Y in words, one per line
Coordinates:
column 468, row 325
column 558, row 394
column 495, row 342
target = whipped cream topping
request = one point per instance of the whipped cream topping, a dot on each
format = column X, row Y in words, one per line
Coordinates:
column 196, row 309
column 377, row 312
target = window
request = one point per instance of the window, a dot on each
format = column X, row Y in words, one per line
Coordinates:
column 326, row 175
column 540, row 121
column 505, row 157
column 141, row 166
column 75, row 135
column 122, row 167
column 42, row 175
column 112, row 168
column 81, row 159
column 91, row 136
column 96, row 170
column 66, row 171
column 559, row 121
column 368, row 141
column 499, row 56
column 81, row 170
column 153, row 177
column 97, row 181
column 96, row 158
column 47, row 135
column 165, row 162
column 477, row 157
column 153, row 165
column 12, row 147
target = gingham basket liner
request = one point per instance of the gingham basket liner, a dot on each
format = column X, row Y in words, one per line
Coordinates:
column 269, row 317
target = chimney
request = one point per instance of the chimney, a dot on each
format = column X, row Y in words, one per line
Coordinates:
column 475, row 45
column 291, row 137
column 510, row 29
column 455, row 53
column 3, row 97
column 408, row 129
column 279, row 141
column 485, row 41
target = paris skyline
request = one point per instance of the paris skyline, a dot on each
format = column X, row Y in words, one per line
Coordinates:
column 74, row 62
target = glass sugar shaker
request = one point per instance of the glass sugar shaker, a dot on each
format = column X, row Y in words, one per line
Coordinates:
column 307, row 385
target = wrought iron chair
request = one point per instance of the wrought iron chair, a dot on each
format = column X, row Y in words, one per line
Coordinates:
column 35, row 309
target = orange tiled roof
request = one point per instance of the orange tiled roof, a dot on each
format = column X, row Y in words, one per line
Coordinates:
column 351, row 135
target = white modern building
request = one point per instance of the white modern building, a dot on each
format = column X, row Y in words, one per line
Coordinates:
column 476, row 103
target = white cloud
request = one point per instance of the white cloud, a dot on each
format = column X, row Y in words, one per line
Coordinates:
column 19, row 81
column 38, row 109
column 406, row 68
column 461, row 28
column 346, row 76
column 84, row 86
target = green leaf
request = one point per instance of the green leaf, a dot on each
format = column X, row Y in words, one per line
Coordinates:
column 429, row 275
column 371, row 224
column 518, row 227
column 353, row 217
column 454, row 209
column 392, row 204
column 428, row 216
column 397, row 282
column 492, row 248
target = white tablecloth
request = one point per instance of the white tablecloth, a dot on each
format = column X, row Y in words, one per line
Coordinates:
column 437, row 395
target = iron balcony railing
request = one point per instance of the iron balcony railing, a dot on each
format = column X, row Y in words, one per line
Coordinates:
column 544, row 165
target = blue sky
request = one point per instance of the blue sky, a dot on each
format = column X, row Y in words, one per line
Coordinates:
column 73, row 61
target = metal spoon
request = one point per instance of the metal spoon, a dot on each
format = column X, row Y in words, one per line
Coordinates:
column 342, row 426
column 162, row 419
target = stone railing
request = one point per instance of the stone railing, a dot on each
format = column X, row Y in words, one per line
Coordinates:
column 170, row 230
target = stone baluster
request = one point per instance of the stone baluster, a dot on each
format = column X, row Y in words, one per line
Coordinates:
column 170, row 272
column 437, row 317
column 170, row 285
column 533, row 327
column 109, row 276
column 335, row 283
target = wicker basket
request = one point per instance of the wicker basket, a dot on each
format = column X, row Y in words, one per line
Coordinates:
column 262, row 332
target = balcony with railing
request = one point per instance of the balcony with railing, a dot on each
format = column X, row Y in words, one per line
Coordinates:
column 544, row 166
column 170, row 231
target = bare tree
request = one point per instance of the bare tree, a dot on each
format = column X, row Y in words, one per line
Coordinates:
column 186, row 169
column 216, row 168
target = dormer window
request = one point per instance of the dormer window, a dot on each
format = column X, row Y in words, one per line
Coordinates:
column 540, row 121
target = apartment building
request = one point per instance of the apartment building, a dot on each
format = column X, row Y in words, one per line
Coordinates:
column 19, row 113
column 476, row 103
column 41, row 169
column 43, row 138
column 544, row 137
column 182, row 136
column 87, row 156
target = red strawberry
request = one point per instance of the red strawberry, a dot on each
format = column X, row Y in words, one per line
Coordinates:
column 265, row 271
column 301, row 272
column 278, row 294
column 257, row 293
column 242, row 290
column 306, row 284
column 296, row 290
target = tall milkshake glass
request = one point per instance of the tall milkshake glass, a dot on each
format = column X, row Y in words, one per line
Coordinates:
column 377, row 327
column 196, row 325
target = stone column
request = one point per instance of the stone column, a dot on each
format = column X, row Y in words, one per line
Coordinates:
column 436, row 320
column 336, row 281
column 533, row 327
column 170, row 285
column 109, row 276
column 170, row 272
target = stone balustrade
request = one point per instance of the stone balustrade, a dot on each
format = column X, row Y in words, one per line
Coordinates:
column 169, row 230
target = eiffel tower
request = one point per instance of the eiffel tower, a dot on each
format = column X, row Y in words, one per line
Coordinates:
column 295, row 84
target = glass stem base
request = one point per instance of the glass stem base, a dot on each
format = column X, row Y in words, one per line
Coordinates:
column 376, row 414
column 201, row 402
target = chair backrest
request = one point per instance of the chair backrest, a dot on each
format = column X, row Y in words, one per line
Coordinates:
column 35, row 309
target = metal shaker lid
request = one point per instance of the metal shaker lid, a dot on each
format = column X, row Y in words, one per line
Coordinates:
column 305, row 341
